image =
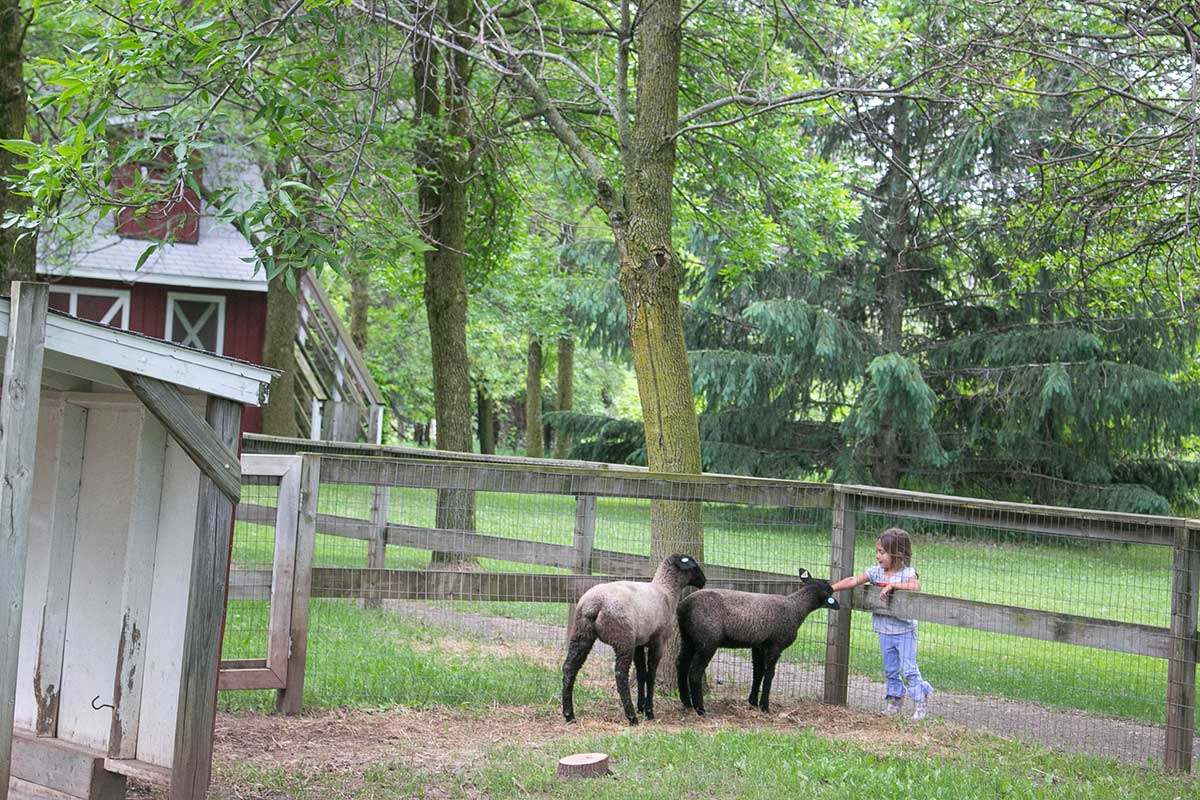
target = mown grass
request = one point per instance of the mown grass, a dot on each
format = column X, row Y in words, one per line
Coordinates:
column 741, row 764
column 361, row 657
column 1113, row 581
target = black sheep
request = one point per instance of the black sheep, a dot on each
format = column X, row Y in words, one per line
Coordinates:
column 766, row 623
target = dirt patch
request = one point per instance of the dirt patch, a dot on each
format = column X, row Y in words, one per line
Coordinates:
column 444, row 740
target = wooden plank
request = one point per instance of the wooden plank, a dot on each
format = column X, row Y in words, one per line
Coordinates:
column 837, row 632
column 191, row 766
column 1073, row 522
column 63, row 767
column 47, row 676
column 1050, row 626
column 216, row 459
column 19, row 407
column 531, row 480
column 283, row 568
column 141, row 543
column 585, row 541
column 146, row 773
column 1181, row 668
column 378, row 531
column 242, row 678
column 289, row 700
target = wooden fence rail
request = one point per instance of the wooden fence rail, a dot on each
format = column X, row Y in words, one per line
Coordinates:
column 584, row 565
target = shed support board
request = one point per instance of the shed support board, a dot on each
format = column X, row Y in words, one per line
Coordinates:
column 191, row 766
column 19, row 408
column 216, row 459
column 141, row 543
column 63, row 528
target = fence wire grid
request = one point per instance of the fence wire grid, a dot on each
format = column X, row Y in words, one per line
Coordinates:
column 450, row 583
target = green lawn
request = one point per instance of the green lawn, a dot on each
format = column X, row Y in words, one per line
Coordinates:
column 730, row 765
column 1114, row 581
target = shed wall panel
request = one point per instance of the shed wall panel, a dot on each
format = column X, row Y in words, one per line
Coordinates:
column 168, row 607
column 93, row 624
column 38, row 568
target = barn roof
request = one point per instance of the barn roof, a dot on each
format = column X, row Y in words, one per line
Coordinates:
column 79, row 355
column 221, row 259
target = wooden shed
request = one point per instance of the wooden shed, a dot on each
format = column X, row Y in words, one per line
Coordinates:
column 120, row 477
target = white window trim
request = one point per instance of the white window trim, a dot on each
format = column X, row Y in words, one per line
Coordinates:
column 73, row 293
column 219, row 300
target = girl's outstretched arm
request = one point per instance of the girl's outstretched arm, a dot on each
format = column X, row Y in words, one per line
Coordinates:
column 851, row 582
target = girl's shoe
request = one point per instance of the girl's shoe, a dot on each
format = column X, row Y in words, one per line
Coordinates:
column 893, row 706
column 920, row 712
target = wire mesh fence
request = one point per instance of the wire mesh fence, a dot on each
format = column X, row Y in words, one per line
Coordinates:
column 444, row 581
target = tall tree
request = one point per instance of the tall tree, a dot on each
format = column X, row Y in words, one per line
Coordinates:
column 18, row 250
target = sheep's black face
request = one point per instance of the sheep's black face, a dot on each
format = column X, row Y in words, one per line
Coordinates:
column 824, row 588
column 690, row 569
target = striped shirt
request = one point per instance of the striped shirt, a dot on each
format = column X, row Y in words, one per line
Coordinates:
column 882, row 623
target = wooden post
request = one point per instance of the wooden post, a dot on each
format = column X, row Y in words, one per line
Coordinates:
column 19, row 402
column 837, row 633
column 377, row 544
column 289, row 699
column 1181, row 667
column 585, row 540
column 141, row 543
column 192, row 763
column 63, row 532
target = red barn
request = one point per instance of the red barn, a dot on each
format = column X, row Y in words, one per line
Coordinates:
column 201, row 290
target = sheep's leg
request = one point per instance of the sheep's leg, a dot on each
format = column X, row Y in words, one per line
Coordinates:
column 653, row 655
column 639, row 664
column 696, row 676
column 770, row 660
column 577, row 653
column 756, row 656
column 624, row 661
column 682, row 663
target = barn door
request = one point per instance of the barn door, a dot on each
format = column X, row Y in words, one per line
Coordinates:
column 258, row 614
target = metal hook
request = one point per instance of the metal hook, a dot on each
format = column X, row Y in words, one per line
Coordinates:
column 102, row 705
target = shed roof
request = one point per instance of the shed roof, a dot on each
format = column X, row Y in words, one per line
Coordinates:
column 79, row 354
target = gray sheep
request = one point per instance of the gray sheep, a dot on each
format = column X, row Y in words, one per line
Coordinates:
column 766, row 623
column 635, row 619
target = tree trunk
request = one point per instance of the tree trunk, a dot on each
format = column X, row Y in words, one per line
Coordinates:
column 360, row 303
column 441, row 159
column 18, row 250
column 893, row 278
column 486, row 411
column 533, row 398
column 279, row 352
column 566, row 389
column 650, row 275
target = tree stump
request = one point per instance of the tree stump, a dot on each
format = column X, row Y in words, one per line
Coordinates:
column 583, row 765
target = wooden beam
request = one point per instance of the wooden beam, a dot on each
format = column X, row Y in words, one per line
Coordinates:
column 564, row 481
column 216, row 459
column 1181, row 669
column 290, row 699
column 837, row 632
column 47, row 676
column 62, row 769
column 1030, row 623
column 141, row 544
column 191, row 766
column 19, row 407
column 584, row 546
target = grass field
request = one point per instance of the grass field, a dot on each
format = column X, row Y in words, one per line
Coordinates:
column 372, row 660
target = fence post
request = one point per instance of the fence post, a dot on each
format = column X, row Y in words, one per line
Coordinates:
column 837, row 634
column 289, row 699
column 585, row 538
column 1181, row 668
column 377, row 544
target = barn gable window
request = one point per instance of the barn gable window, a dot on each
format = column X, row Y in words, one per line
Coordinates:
column 196, row 320
column 175, row 219
column 106, row 306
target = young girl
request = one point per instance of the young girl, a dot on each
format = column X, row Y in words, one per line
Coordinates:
column 897, row 637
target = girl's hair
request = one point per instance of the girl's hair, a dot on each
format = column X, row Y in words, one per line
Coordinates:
column 898, row 544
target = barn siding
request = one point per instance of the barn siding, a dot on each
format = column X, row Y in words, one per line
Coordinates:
column 245, row 322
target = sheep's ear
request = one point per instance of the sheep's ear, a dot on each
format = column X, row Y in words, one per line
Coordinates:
column 804, row 576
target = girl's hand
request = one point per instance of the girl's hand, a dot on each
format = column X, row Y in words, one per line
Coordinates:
column 883, row 591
